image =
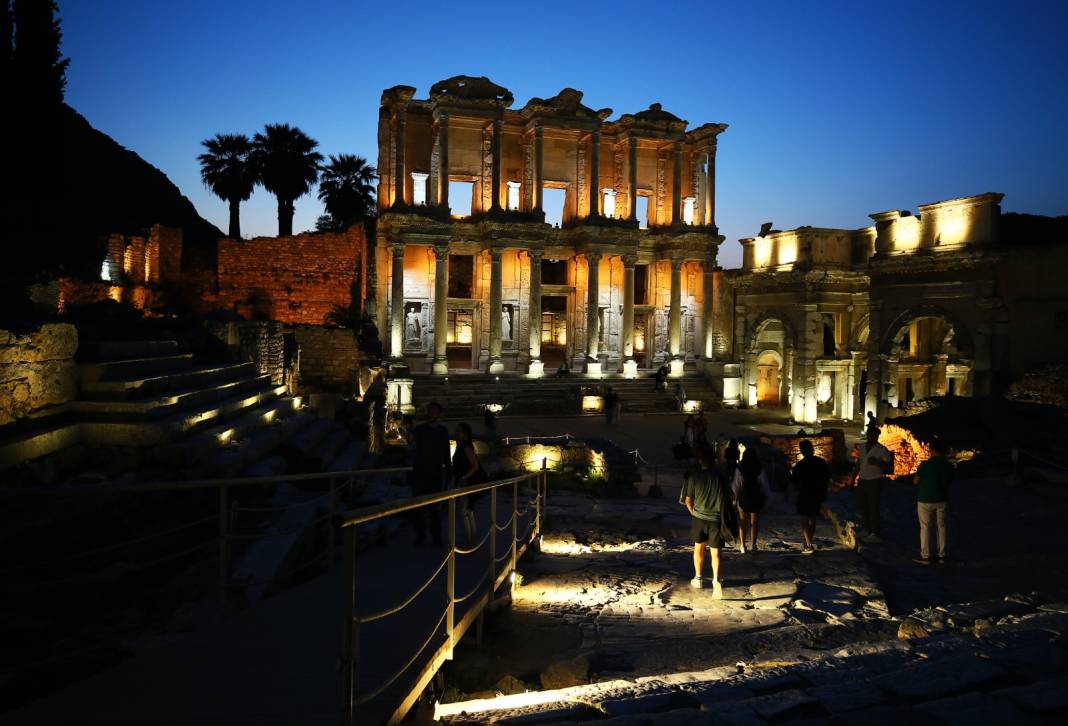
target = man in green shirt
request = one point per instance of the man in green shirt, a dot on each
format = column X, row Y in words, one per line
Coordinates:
column 705, row 497
column 933, row 477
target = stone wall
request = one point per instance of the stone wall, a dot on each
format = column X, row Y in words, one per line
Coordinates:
column 829, row 444
column 328, row 356
column 36, row 370
column 298, row 279
column 261, row 342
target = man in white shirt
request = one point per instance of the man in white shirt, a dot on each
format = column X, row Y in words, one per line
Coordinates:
column 873, row 462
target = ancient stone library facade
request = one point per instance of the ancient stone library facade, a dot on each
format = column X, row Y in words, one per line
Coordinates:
column 830, row 323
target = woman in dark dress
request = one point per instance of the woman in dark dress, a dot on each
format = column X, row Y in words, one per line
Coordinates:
column 466, row 470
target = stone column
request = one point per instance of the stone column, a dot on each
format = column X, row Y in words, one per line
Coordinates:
column 536, row 191
column 443, row 160
column 804, row 404
column 537, row 368
column 708, row 270
column 676, row 186
column 595, row 173
column 495, row 365
column 632, row 177
column 675, row 318
column 786, row 378
column 495, row 205
column 441, row 308
column 630, row 366
column 710, row 187
column 396, row 309
column 400, row 178
column 593, row 319
column 939, row 383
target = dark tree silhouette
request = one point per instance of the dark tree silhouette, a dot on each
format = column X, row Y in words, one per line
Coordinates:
column 7, row 47
column 229, row 172
column 346, row 189
column 38, row 64
column 287, row 164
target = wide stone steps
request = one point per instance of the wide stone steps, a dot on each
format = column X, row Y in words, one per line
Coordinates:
column 127, row 368
column 1014, row 671
column 166, row 404
column 158, row 382
column 104, row 350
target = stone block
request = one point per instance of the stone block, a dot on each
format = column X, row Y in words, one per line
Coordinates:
column 848, row 696
column 943, row 677
column 777, row 705
column 975, row 708
column 1044, row 697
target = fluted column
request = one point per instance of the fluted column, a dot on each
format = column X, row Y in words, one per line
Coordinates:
column 400, row 178
column 630, row 367
column 534, row 306
column 708, row 271
column 441, row 308
column 676, row 186
column 595, row 173
column 495, row 205
column 495, row 364
column 396, row 309
column 675, row 318
column 632, row 177
column 443, row 160
column 710, row 187
column 593, row 307
column 537, row 190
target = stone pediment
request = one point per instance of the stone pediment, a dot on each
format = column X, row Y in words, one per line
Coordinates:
column 567, row 103
column 654, row 118
column 478, row 91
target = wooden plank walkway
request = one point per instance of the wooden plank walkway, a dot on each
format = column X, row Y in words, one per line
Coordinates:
column 278, row 662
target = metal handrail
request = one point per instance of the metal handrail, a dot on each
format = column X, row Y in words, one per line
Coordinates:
column 489, row 581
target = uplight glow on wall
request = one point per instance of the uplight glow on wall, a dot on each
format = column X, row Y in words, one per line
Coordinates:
column 592, row 404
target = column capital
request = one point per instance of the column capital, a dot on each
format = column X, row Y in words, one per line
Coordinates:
column 629, row 261
column 592, row 256
column 539, row 131
column 495, row 253
column 441, row 252
column 536, row 255
column 677, row 263
column 398, row 248
column 632, row 141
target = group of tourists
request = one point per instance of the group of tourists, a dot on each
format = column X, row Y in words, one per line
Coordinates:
column 725, row 500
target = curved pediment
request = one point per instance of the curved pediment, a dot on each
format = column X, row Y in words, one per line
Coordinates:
column 567, row 103
column 470, row 91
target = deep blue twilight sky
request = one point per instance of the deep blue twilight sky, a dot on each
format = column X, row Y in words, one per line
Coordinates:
column 836, row 110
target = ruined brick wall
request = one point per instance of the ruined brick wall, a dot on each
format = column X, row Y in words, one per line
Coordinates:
column 298, row 279
column 36, row 370
column 261, row 343
column 829, row 444
column 328, row 356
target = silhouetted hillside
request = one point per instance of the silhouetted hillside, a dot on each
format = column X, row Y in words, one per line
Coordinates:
column 104, row 187
column 1017, row 228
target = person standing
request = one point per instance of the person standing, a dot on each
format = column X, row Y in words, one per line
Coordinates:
column 933, row 477
column 873, row 462
column 752, row 492
column 810, row 475
column 430, row 467
column 705, row 497
column 611, row 404
column 466, row 471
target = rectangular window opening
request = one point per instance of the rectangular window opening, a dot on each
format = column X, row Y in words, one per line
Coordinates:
column 641, row 211
column 460, row 198
column 641, row 284
column 552, row 203
column 461, row 276
column 554, row 272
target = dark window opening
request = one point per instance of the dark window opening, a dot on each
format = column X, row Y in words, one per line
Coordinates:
column 461, row 276
column 641, row 284
column 554, row 272
column 828, row 336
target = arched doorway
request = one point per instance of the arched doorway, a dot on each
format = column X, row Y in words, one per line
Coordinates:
column 769, row 379
column 928, row 357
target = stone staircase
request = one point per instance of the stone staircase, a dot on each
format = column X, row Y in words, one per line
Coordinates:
column 1008, row 665
column 464, row 395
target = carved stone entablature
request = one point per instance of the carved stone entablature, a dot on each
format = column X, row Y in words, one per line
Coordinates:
column 654, row 121
column 566, row 104
column 470, row 91
column 706, row 134
column 397, row 95
column 956, row 260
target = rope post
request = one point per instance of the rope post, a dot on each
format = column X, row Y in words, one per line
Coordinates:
column 224, row 545
column 450, row 619
column 492, row 545
column 537, row 505
column 331, row 541
column 515, row 524
column 350, row 627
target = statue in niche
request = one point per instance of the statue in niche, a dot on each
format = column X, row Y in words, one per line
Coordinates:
column 506, row 324
column 411, row 325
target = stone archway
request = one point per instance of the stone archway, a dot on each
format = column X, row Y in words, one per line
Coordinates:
column 769, row 369
column 929, row 353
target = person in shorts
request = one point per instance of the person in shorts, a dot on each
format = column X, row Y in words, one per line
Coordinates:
column 705, row 496
column 810, row 475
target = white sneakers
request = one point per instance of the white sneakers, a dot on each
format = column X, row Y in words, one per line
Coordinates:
column 717, row 588
column 697, row 582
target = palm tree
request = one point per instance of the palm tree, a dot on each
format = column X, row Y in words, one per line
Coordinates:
column 229, row 172
column 288, row 165
column 346, row 189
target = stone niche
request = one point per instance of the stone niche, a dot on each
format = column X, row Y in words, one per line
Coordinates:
column 37, row 371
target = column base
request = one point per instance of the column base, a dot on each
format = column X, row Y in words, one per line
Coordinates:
column 593, row 368
column 495, row 366
column 677, row 366
column 440, row 367
column 536, row 369
column 630, row 369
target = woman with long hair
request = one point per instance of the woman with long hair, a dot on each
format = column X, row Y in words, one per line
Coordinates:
column 752, row 493
column 467, row 470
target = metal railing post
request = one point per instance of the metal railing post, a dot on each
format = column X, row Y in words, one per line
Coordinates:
column 537, row 504
column 450, row 619
column 331, row 540
column 350, row 628
column 224, row 545
column 493, row 544
column 515, row 524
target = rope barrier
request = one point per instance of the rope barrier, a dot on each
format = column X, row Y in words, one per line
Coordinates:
column 475, row 589
column 378, row 691
column 391, row 611
column 461, row 551
column 508, row 524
